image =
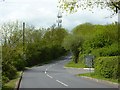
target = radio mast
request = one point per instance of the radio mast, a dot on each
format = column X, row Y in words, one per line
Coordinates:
column 59, row 19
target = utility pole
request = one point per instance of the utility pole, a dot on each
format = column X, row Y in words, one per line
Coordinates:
column 24, row 40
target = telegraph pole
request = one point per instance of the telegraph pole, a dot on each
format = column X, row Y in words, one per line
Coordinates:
column 24, row 40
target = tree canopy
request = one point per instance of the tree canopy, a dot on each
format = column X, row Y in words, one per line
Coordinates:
column 98, row 40
column 40, row 46
column 73, row 5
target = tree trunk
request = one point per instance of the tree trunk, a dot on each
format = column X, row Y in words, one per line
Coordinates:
column 76, row 57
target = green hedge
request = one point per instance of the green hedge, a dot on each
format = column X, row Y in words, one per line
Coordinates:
column 111, row 50
column 107, row 67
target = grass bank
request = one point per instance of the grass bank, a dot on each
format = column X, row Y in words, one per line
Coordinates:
column 12, row 83
column 75, row 65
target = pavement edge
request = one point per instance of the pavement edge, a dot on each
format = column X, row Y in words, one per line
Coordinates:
column 97, row 80
column 102, row 81
column 18, row 82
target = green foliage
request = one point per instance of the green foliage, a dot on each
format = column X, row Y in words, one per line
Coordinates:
column 19, row 64
column 73, row 43
column 47, row 47
column 11, row 50
column 12, row 83
column 107, row 67
column 9, row 71
column 82, row 29
column 75, row 65
column 111, row 50
column 4, row 80
column 99, row 40
column 72, row 6
column 41, row 46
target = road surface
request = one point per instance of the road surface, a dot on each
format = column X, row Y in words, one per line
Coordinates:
column 54, row 75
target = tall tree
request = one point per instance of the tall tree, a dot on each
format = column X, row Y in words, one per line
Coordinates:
column 73, row 43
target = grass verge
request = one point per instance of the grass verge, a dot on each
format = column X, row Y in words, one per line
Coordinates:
column 12, row 83
column 75, row 65
column 93, row 75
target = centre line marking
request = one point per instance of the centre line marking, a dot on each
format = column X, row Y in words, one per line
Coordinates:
column 62, row 83
column 49, row 76
column 45, row 72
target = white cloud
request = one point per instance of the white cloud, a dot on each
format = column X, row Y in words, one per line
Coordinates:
column 99, row 16
column 43, row 13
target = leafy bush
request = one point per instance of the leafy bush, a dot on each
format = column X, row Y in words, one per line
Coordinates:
column 107, row 67
column 45, row 48
column 4, row 80
column 100, row 40
column 19, row 64
column 9, row 71
column 111, row 50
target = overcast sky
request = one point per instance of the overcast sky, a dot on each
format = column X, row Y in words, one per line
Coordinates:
column 43, row 13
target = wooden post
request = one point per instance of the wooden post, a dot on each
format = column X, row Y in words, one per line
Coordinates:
column 23, row 38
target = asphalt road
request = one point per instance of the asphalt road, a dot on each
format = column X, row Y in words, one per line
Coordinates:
column 54, row 75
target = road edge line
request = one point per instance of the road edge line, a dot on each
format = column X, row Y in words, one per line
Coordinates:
column 78, row 68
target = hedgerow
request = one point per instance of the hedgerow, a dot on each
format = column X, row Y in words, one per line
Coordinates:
column 107, row 67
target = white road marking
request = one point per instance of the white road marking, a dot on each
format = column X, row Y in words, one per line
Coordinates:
column 49, row 76
column 45, row 72
column 62, row 83
column 52, row 77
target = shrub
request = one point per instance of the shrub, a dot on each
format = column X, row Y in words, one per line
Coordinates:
column 4, row 80
column 107, row 67
column 19, row 64
column 111, row 50
column 9, row 71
